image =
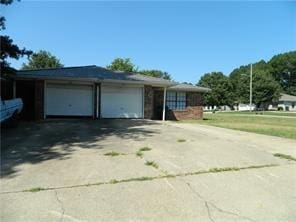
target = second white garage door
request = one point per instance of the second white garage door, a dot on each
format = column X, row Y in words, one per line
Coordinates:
column 121, row 102
column 69, row 100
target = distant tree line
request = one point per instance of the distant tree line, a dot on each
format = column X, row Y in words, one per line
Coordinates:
column 125, row 65
column 269, row 80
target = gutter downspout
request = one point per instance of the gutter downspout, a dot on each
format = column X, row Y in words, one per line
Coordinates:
column 164, row 102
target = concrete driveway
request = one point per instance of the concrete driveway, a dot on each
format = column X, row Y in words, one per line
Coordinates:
column 59, row 171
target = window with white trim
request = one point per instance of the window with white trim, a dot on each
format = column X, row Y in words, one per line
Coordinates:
column 176, row 100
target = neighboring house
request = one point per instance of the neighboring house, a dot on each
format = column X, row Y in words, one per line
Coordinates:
column 286, row 102
column 244, row 107
column 92, row 91
column 215, row 108
column 238, row 107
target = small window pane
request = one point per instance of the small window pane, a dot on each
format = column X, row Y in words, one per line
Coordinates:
column 171, row 95
column 176, row 100
column 181, row 96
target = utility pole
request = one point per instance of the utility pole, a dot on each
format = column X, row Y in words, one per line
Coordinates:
column 251, row 80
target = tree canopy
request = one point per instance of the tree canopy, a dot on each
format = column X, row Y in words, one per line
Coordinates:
column 122, row 64
column 156, row 73
column 240, row 80
column 284, row 71
column 41, row 60
column 265, row 89
column 8, row 48
column 269, row 80
column 125, row 65
column 221, row 89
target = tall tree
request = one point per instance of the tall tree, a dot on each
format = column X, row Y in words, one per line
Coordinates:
column 221, row 89
column 41, row 60
column 156, row 73
column 265, row 87
column 8, row 48
column 284, row 71
column 122, row 64
column 240, row 80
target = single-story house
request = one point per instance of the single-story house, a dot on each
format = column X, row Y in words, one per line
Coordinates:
column 286, row 102
column 96, row 92
column 237, row 107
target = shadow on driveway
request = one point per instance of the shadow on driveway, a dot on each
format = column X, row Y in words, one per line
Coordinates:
column 35, row 142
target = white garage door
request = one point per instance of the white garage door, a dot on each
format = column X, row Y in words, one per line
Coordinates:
column 69, row 100
column 121, row 102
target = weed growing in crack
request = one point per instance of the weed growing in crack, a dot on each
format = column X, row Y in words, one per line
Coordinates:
column 152, row 163
column 137, row 179
column 113, row 181
column 284, row 156
column 139, row 154
column 217, row 170
column 35, row 189
column 181, row 140
column 113, row 153
column 145, row 149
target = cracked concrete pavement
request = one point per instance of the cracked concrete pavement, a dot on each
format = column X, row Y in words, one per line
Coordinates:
column 66, row 159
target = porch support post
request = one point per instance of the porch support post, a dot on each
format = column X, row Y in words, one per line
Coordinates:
column 164, row 102
column 97, row 100
column 95, row 104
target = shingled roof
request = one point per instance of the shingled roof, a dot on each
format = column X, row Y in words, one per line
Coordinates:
column 92, row 72
column 188, row 87
column 96, row 73
column 287, row 97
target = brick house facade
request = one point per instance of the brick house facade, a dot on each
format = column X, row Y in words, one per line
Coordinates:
column 96, row 92
column 193, row 110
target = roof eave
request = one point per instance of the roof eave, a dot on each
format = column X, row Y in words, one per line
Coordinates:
column 139, row 82
column 190, row 90
column 33, row 77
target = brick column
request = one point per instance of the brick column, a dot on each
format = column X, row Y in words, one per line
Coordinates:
column 39, row 99
column 148, row 102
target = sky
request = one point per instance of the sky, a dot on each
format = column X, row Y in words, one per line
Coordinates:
column 185, row 39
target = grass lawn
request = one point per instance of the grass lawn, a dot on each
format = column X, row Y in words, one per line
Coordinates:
column 258, row 113
column 282, row 127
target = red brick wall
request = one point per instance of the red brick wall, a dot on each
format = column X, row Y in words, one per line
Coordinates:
column 194, row 109
column 148, row 102
column 191, row 112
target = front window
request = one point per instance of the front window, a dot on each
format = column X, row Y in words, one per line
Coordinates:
column 176, row 100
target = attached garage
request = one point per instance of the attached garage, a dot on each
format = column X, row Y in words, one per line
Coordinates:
column 121, row 101
column 97, row 92
column 69, row 100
